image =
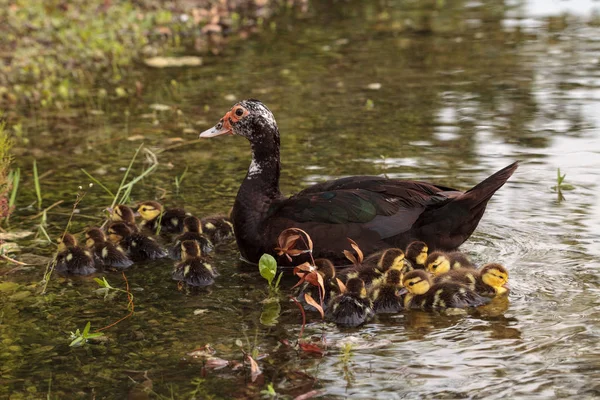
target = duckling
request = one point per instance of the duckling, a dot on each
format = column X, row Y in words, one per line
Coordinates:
column 192, row 230
column 386, row 299
column 416, row 253
column 123, row 213
column 326, row 269
column 391, row 258
column 194, row 269
column 218, row 228
column 72, row 259
column 422, row 294
column 352, row 308
column 105, row 252
column 439, row 262
column 489, row 281
column 138, row 246
column 153, row 214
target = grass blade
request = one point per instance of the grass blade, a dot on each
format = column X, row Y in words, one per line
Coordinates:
column 36, row 181
column 97, row 182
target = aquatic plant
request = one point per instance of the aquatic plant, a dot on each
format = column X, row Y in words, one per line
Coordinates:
column 560, row 185
column 267, row 266
column 7, row 180
column 81, row 338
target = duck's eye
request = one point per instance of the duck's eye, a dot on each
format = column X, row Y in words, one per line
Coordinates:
column 411, row 284
column 239, row 112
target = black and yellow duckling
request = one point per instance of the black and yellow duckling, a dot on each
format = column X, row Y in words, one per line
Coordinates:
column 72, row 259
column 218, row 228
column 392, row 258
column 490, row 281
column 385, row 296
column 192, row 230
column 123, row 213
column 138, row 246
column 153, row 214
column 439, row 262
column 194, row 269
column 326, row 269
column 105, row 252
column 424, row 295
column 416, row 253
column 352, row 308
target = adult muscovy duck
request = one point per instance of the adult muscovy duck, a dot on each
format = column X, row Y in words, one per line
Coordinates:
column 374, row 211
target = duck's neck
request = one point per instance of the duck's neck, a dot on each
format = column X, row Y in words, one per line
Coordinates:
column 262, row 179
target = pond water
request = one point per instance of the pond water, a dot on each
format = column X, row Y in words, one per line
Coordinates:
column 447, row 92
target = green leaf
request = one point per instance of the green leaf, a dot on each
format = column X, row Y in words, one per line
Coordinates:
column 77, row 342
column 95, row 335
column 86, row 330
column 270, row 313
column 267, row 267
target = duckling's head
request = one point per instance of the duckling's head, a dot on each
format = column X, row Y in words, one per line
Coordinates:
column 391, row 259
column 65, row 241
column 190, row 248
column 117, row 231
column 192, row 224
column 392, row 277
column 248, row 118
column 123, row 213
column 356, row 286
column 496, row 276
column 93, row 236
column 437, row 263
column 325, row 268
column 417, row 282
column 150, row 209
column 416, row 252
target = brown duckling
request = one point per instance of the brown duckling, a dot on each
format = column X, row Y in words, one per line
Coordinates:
column 154, row 214
column 72, row 259
column 105, row 252
column 194, row 269
column 352, row 308
column 416, row 253
column 490, row 281
column 138, row 246
column 123, row 213
column 392, row 258
column 326, row 269
column 386, row 299
column 218, row 228
column 439, row 262
column 423, row 294
column 192, row 230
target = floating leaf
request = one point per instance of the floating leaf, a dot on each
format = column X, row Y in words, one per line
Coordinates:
column 254, row 368
column 267, row 267
column 307, row 395
column 308, row 298
column 171, row 62
column 15, row 235
column 160, row 107
column 216, row 363
column 310, row 348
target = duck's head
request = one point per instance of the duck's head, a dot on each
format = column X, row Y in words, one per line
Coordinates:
column 190, row 248
column 391, row 259
column 117, row 231
column 123, row 213
column 93, row 236
column 417, row 282
column 248, row 118
column 325, row 268
column 392, row 277
column 496, row 276
column 356, row 286
column 416, row 252
column 192, row 224
column 65, row 241
column 149, row 210
column 437, row 263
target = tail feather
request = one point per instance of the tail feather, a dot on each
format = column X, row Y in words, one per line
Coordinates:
column 480, row 194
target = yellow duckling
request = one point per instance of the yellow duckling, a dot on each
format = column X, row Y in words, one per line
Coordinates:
column 440, row 262
column 138, row 246
column 154, row 215
column 72, row 259
column 194, row 269
column 422, row 294
column 386, row 299
column 490, row 281
column 416, row 253
column 218, row 228
column 352, row 308
column 391, row 258
column 192, row 230
column 123, row 213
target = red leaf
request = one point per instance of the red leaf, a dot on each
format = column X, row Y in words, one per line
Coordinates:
column 356, row 248
column 310, row 348
column 303, row 316
column 293, row 242
column 254, row 368
column 341, row 285
column 216, row 363
column 307, row 395
column 351, row 257
column 308, row 298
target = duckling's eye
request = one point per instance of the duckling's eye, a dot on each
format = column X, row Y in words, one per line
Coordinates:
column 411, row 284
column 239, row 112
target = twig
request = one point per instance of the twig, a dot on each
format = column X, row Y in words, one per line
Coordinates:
column 12, row 260
column 175, row 146
column 130, row 306
column 303, row 316
column 45, row 210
